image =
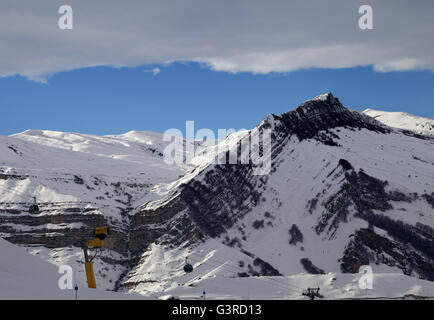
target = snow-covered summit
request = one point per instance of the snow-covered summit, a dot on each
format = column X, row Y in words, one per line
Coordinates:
column 327, row 98
column 323, row 97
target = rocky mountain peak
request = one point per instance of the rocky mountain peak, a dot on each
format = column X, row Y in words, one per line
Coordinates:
column 322, row 104
column 320, row 114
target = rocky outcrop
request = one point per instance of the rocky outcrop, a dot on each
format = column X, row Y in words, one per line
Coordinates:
column 310, row 267
column 295, row 234
column 168, row 225
column 414, row 257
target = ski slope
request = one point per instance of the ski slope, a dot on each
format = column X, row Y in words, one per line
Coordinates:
column 333, row 286
column 24, row 276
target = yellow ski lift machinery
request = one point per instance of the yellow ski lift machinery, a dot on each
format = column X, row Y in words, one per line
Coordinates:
column 99, row 233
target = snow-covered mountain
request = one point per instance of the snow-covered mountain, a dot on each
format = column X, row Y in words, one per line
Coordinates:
column 403, row 120
column 80, row 181
column 345, row 190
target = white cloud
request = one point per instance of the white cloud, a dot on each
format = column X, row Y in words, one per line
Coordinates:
column 227, row 35
column 404, row 64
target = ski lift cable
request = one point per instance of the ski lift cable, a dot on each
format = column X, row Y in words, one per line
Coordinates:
column 271, row 281
column 238, row 268
column 31, row 198
column 282, row 286
column 220, row 263
column 277, row 285
column 10, row 190
column 21, row 195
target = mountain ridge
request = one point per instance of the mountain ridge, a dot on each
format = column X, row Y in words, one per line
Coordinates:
column 336, row 178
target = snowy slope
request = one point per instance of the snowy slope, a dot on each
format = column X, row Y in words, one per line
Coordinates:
column 136, row 157
column 24, row 276
column 45, row 165
column 403, row 120
column 333, row 286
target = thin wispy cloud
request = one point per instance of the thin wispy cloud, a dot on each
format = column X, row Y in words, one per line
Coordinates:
column 154, row 71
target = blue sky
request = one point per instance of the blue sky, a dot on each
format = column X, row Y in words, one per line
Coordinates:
column 224, row 64
column 106, row 100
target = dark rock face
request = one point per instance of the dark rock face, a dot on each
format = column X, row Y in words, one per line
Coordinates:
column 296, row 235
column 165, row 225
column 60, row 225
column 413, row 257
column 356, row 254
column 360, row 190
column 345, row 164
column 34, row 230
column 314, row 116
column 410, row 248
column 429, row 198
column 414, row 242
column 310, row 267
column 265, row 268
column 226, row 192
column 257, row 224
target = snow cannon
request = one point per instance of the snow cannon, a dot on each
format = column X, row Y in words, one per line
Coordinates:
column 99, row 234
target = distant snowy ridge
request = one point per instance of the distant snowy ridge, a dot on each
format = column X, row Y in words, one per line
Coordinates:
column 403, row 120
